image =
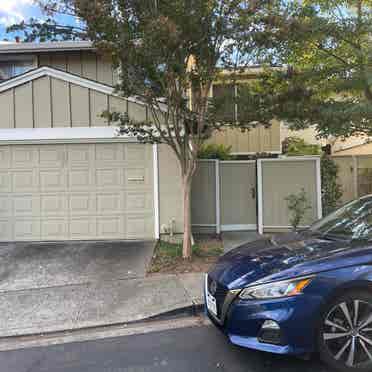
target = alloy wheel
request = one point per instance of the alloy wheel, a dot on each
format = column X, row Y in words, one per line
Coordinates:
column 347, row 333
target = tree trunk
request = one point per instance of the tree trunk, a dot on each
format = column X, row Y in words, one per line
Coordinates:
column 187, row 247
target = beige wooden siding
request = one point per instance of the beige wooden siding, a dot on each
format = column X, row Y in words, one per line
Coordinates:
column 51, row 103
column 61, row 103
column 279, row 180
column 80, row 111
column 23, row 104
column 7, row 110
column 85, row 63
column 170, row 189
column 59, row 60
column 256, row 140
column 98, row 104
column 74, row 65
column 137, row 111
column 116, row 104
column 42, row 103
column 105, row 71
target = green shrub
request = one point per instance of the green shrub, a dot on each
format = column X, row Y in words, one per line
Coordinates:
column 295, row 146
column 214, row 151
column 331, row 189
column 298, row 204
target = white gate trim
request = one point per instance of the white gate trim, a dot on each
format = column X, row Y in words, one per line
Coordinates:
column 156, row 191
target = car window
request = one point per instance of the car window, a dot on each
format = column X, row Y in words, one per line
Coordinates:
column 354, row 221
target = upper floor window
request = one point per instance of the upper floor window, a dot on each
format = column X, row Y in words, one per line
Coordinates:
column 224, row 95
column 10, row 68
column 227, row 100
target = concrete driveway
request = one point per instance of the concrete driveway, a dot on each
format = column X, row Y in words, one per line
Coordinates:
column 53, row 287
column 40, row 265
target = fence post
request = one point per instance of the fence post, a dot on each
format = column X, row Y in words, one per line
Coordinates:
column 218, row 199
column 259, row 197
column 355, row 176
column 319, row 187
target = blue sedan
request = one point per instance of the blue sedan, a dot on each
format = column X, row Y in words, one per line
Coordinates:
column 303, row 292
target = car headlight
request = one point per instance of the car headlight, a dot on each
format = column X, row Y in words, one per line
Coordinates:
column 286, row 288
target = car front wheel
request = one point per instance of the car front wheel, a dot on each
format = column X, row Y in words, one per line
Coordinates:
column 345, row 333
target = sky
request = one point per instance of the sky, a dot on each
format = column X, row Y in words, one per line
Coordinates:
column 14, row 11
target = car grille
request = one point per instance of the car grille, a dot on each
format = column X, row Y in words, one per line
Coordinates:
column 219, row 295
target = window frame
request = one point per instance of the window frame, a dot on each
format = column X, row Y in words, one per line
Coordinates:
column 13, row 58
column 234, row 95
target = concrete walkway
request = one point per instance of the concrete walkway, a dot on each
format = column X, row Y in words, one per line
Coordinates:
column 70, row 307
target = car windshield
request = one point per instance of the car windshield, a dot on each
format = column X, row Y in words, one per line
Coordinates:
column 352, row 221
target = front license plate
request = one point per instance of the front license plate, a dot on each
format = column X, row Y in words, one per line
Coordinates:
column 211, row 304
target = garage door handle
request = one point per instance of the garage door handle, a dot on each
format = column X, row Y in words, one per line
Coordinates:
column 136, row 179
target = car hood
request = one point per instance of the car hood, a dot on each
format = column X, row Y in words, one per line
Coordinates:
column 285, row 256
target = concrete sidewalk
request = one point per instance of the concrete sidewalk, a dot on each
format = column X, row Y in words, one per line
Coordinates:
column 71, row 307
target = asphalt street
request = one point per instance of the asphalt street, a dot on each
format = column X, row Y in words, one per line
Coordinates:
column 191, row 349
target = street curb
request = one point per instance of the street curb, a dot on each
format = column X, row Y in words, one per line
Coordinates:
column 101, row 333
column 193, row 310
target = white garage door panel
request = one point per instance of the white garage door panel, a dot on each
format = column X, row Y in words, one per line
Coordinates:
column 76, row 191
column 5, row 230
column 81, row 204
column 25, row 206
column 26, row 228
column 5, row 182
column 4, row 157
column 137, row 226
column 52, row 156
column 82, row 228
column 24, row 157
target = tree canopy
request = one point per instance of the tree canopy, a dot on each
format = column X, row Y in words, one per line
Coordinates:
column 326, row 47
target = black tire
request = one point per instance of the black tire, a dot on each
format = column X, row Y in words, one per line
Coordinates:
column 345, row 332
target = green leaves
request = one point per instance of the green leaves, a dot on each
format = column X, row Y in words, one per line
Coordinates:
column 214, row 151
column 329, row 43
column 331, row 189
column 47, row 30
column 298, row 204
column 295, row 146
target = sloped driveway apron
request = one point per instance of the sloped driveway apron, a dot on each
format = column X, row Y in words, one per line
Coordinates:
column 47, row 287
column 65, row 308
column 39, row 265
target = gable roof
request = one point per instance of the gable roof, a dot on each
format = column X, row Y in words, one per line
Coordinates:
column 12, row 48
column 65, row 76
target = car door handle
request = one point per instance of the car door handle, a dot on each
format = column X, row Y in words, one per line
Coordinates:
column 136, row 179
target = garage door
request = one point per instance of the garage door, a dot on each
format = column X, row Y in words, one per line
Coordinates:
column 76, row 191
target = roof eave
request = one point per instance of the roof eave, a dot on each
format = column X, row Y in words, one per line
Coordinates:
column 22, row 48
